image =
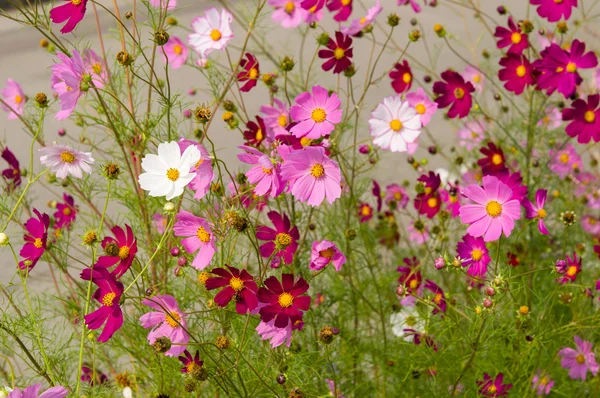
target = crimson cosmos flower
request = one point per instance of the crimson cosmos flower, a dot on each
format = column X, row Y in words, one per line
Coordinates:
column 65, row 212
column 337, row 53
column 518, row 73
column 190, row 364
column 35, row 240
column 513, row 37
column 250, row 73
column 454, row 92
column 494, row 162
column 282, row 241
column 284, row 301
column 238, row 285
column 401, row 77
column 410, row 276
column 429, row 202
column 255, row 133
column 119, row 251
column 13, row 172
column 439, row 298
column 585, row 119
column 365, row 212
column 109, row 295
column 489, row 387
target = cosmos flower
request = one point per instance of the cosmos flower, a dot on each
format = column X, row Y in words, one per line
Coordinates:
column 513, row 38
column 211, row 31
column 324, row 253
column 282, row 241
column 72, row 12
column 396, row 196
column 413, row 3
column 168, row 173
column 202, row 170
column 238, row 285
column 394, row 124
column 475, row 77
column 288, row 13
column 191, row 365
column 429, row 202
column 170, row 4
column 70, row 80
column 454, row 92
column 95, row 67
column 514, row 181
column 33, row 391
column 365, row 212
column 564, row 160
column 175, row 52
column 408, row 318
column 250, row 73
column 92, row 376
column 108, row 294
column 285, row 301
column 422, row 104
column 537, row 211
column 418, row 232
column 359, row 24
column 410, row 275
column 198, row 236
column 313, row 5
column 473, row 254
column 541, row 383
column 35, row 240
column 13, row 173
column 338, row 53
column 568, row 269
column 585, row 119
column 315, row 113
column 277, row 336
column 64, row 160
column 554, row 10
column 552, row 118
column 402, row 77
column 264, row 174
column 343, row 8
column 493, row 387
column 471, row 134
column 255, row 132
column 119, row 251
column 494, row 162
column 14, row 97
column 65, row 212
column 517, row 72
column 277, row 117
column 439, row 298
column 579, row 360
column 167, row 321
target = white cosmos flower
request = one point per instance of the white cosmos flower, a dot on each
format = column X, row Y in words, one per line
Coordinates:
column 167, row 173
column 127, row 392
column 394, row 124
column 408, row 318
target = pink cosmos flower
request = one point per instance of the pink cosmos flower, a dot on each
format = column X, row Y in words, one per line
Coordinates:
column 65, row 212
column 68, row 76
column 475, row 77
column 96, row 67
column 554, row 10
column 513, row 37
column 585, row 119
column 35, row 240
column 395, row 196
column 559, row 68
column 33, row 391
column 198, row 236
column 108, row 294
column 472, row 133
column 276, row 118
column 170, row 4
column 72, row 12
column 579, row 360
column 493, row 212
column 325, row 252
column 541, row 383
column 167, row 321
column 421, row 103
column 564, row 161
column 418, row 232
column 265, row 175
column 238, row 285
column 175, row 52
column 343, row 8
column 160, row 222
column 316, row 115
column 64, row 160
column 278, row 336
column 15, row 99
column 282, row 241
column 536, row 211
column 288, row 13
column 454, row 92
column 590, row 224
column 517, row 72
column 312, row 176
column 13, row 173
column 489, row 387
column 203, row 169
column 211, row 31
column 359, row 24
column 473, row 254
column 332, row 389
column 552, row 118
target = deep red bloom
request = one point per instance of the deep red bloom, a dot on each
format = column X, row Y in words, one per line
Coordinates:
column 337, row 53
column 513, row 37
column 376, row 191
column 190, row 364
column 494, row 162
column 559, row 68
column 585, row 119
column 489, row 387
column 255, row 133
column 343, row 8
column 282, row 241
column 518, row 73
column 456, row 92
column 410, row 276
column 429, row 202
column 513, row 259
column 73, row 11
column 109, row 295
column 553, row 10
column 439, row 298
column 13, row 172
column 119, row 251
column 365, row 212
column 35, row 240
column 238, row 285
column 401, row 77
column 284, row 301
column 250, row 73
column 65, row 212
column 418, row 337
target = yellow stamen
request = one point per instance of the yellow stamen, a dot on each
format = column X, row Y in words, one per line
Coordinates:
column 493, row 208
column 432, row 202
column 285, row 300
column 67, row 157
column 413, row 284
column 76, row 2
column 572, row 270
column 497, row 159
column 516, row 38
column 215, row 34
column 267, row 171
column 365, row 211
column 124, row 252
column 173, row 174
column 173, row 319
column 420, row 108
column 476, row 79
column 289, row 7
column 283, row 239
column 521, row 71
column 339, row 53
column 18, row 99
column 564, row 158
column 38, row 243
column 236, row 284
column 571, row 67
column 459, row 93
column 282, row 120
column 318, row 115
column 396, row 125
column 203, row 235
column 108, row 298
column 492, row 389
column 67, row 211
column 327, row 253
column 253, row 74
column 259, row 135
column 541, row 213
column 177, row 49
column 476, row 254
column 317, row 170
column 589, row 116
column 580, row 359
column 406, row 77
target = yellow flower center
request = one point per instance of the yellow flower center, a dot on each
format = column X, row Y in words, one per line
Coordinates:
column 541, row 213
column 67, row 157
column 282, row 120
column 177, row 49
column 203, row 277
column 253, row 74
column 572, row 270
column 571, row 67
column 97, row 68
column 69, row 88
column 318, row 115
column 76, row 2
column 236, row 284
column 267, row 171
column 406, row 77
column 173, row 174
column 365, row 210
column 589, row 116
column 215, row 34
column 437, row 298
column 413, row 284
column 38, row 243
column 67, row 211
column 18, row 99
column 521, row 71
column 564, row 158
column 432, row 202
column 492, row 389
column 544, row 380
column 410, row 321
column 327, row 253
column 558, row 1
column 396, row 125
column 305, row 141
column 317, row 171
column 420, row 108
column 198, row 163
column 108, row 298
column 397, row 195
column 346, row 2
column 289, row 7
column 339, row 53
column 476, row 78
column 459, row 93
column 285, row 300
column 124, row 252
column 493, row 208
column 203, row 235
column 362, row 21
column 516, row 38
column 173, row 319
column 580, row 359
column 283, row 239
column 191, row 367
column 476, row 254
column 497, row 159
column 259, row 135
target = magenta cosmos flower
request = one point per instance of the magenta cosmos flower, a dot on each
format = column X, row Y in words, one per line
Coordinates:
column 313, row 5
column 108, row 294
column 72, row 12
column 439, row 298
column 584, row 118
column 494, row 162
column 119, row 251
column 175, row 52
column 69, row 76
column 65, row 212
column 35, row 240
column 428, row 202
column 211, row 31
column 360, row 23
column 568, row 269
column 513, row 37
column 410, row 276
column 14, row 98
column 337, row 53
column 203, row 169
column 564, row 161
column 579, row 360
column 489, row 387
column 413, row 3
column 541, row 383
column 64, row 160
column 537, row 211
column 422, row 104
column 250, row 73
column 255, row 132
column 198, row 236
column 474, row 254
column 559, row 68
column 238, row 285
column 265, row 175
column 517, row 72
column 402, row 77
column 554, row 10
column 493, row 212
column 312, row 176
column 282, row 241
column 167, row 321
column 396, row 197
column 316, row 114
column 288, row 13
column 324, row 253
column 285, row 301
column 454, row 92
column 13, row 172
column 365, row 212
column 342, row 7
column 34, row 392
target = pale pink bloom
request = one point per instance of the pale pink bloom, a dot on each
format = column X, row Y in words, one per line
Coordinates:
column 418, row 236
column 176, row 52
column 33, row 391
column 316, row 114
column 564, row 161
column 359, row 24
column 324, row 253
column 474, row 76
column 552, row 118
column 276, row 118
column 278, row 336
column 422, row 104
column 160, row 222
column 95, row 67
column 171, row 4
column 395, row 125
column 14, row 97
column 63, row 160
column 202, row 170
column 288, row 13
column 68, row 76
column 313, row 15
column 265, row 174
column 198, row 236
column 471, row 135
column 579, row 360
column 167, row 321
column 211, row 31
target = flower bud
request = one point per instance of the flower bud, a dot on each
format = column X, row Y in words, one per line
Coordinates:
column 350, row 71
column 501, row 10
column 62, row 132
column 439, row 30
column 161, row 37
column 189, row 384
column 111, row 171
column 287, row 64
column 128, row 15
column 182, row 261
column 326, row 335
column 124, row 58
column 440, row 263
column 3, row 239
column 350, row 234
column 524, row 310
column 323, row 39
column 162, row 344
column 488, row 303
column 562, row 27
column 90, row 238
column 175, row 251
column 393, row 20
column 414, row 35
column 172, row 21
column 169, row 207
column 281, row 379
column 490, row 291
column 41, row 99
